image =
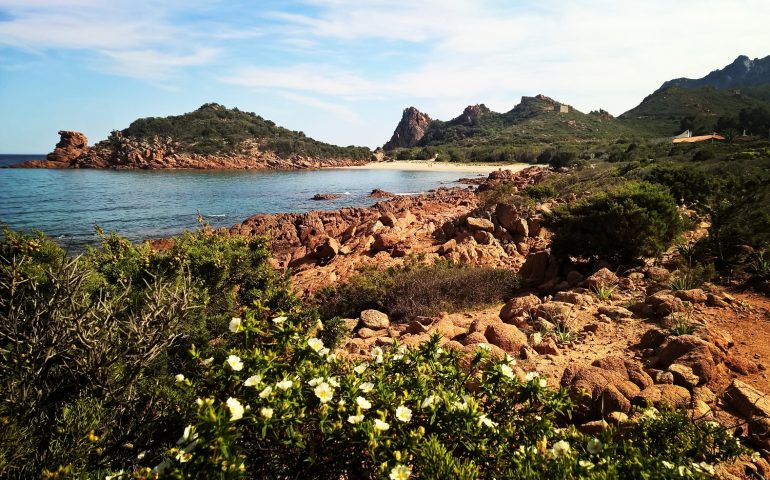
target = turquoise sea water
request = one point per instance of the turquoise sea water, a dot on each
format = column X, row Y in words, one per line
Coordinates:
column 66, row 204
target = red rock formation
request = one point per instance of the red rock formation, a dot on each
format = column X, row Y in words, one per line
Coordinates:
column 119, row 152
column 409, row 130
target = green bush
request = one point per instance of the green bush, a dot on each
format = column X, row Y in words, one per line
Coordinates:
column 635, row 219
column 539, row 192
column 88, row 344
column 688, row 184
column 281, row 405
column 417, row 289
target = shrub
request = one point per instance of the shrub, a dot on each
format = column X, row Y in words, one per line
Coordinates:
column 283, row 406
column 686, row 183
column 418, row 289
column 540, row 192
column 88, row 344
column 704, row 154
column 557, row 158
column 632, row 220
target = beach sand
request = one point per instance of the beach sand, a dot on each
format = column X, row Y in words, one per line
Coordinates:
column 429, row 166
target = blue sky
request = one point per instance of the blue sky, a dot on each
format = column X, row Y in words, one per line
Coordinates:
column 343, row 70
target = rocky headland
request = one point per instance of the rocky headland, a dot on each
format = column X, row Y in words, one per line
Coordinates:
column 124, row 153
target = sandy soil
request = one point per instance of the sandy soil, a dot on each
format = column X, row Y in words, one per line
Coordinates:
column 429, row 166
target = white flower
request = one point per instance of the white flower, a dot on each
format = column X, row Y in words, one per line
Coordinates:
column 235, row 362
column 331, row 357
column 179, row 378
column 458, row 405
column 363, row 403
column 377, row 354
column 208, row 361
column 324, row 392
column 266, row 412
column 403, row 414
column 183, row 457
column 188, row 435
column 594, row 446
column 429, row 401
column 588, row 465
column 266, row 392
column 361, row 368
column 543, row 382
column 235, row 324
column 531, row 376
column 536, row 338
column 354, row 419
column 507, row 371
column 253, row 381
column 486, row 421
column 279, row 320
column 333, row 382
column 236, row 409
column 341, row 403
column 400, row 472
column 560, row 448
column 668, row 465
column 316, row 344
column 485, row 346
column 284, row 384
column 380, row 426
column 366, row 387
column 315, row 381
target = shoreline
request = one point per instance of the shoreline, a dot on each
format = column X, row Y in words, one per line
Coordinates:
column 431, row 166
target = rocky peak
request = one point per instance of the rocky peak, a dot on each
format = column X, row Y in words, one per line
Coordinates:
column 409, row 130
column 532, row 106
column 71, row 146
column 742, row 72
column 472, row 114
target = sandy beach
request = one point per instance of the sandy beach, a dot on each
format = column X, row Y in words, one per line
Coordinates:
column 429, row 166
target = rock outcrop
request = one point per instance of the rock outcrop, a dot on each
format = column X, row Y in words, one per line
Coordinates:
column 409, row 130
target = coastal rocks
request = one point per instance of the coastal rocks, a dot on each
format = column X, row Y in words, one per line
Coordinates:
column 410, row 129
column 374, row 319
column 754, row 406
column 71, row 145
column 507, row 337
column 607, row 385
column 378, row 193
column 325, row 196
column 480, row 224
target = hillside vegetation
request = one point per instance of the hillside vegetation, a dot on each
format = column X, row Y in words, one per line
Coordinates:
column 214, row 129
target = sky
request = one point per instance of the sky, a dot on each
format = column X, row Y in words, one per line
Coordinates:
column 342, row 71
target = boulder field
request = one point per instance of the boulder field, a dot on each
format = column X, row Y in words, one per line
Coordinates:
column 613, row 340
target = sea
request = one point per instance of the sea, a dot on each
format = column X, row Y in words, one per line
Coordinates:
column 67, row 205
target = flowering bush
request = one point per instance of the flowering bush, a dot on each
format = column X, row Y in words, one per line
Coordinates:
column 281, row 405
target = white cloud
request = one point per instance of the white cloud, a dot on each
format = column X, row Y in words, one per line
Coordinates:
column 155, row 65
column 339, row 110
column 601, row 53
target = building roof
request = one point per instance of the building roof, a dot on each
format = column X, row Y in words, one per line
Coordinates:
column 700, row 138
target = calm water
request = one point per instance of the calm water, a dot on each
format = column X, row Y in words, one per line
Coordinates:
column 66, row 204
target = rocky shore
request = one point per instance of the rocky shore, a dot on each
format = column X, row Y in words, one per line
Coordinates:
column 122, row 153
column 622, row 349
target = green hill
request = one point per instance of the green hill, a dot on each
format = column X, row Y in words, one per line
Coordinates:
column 480, row 134
column 661, row 113
column 215, row 129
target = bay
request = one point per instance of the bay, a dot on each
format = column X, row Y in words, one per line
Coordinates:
column 67, row 204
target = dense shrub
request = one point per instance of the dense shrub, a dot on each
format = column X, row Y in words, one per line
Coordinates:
column 540, row 192
column 88, row 344
column 417, row 290
column 624, row 223
column 688, row 184
column 281, row 405
column 557, row 158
